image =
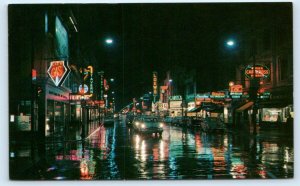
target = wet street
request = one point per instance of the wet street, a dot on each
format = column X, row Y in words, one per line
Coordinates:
column 116, row 152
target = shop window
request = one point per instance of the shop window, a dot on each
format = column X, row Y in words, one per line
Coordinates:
column 271, row 115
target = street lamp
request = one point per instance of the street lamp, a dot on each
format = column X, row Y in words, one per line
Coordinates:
column 109, row 41
column 230, row 43
column 254, row 86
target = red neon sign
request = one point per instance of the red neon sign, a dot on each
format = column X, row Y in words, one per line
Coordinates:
column 260, row 71
column 58, row 71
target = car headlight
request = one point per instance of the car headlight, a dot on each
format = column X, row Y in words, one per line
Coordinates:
column 143, row 126
column 137, row 123
column 161, row 124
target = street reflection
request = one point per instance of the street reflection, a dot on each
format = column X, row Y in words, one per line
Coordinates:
column 117, row 152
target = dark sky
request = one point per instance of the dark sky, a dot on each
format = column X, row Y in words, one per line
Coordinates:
column 179, row 38
column 164, row 37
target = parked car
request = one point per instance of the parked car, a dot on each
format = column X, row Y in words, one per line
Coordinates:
column 168, row 119
column 148, row 125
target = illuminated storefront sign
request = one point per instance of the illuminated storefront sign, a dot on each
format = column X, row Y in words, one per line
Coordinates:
column 58, row 71
column 236, row 90
column 217, row 95
column 154, row 83
column 202, row 98
column 101, row 85
column 206, row 95
column 265, row 95
column 175, row 98
column 33, row 74
column 90, row 69
column 261, row 71
column 106, row 85
column 84, row 89
column 78, row 97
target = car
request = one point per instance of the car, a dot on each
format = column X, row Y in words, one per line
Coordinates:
column 168, row 119
column 148, row 125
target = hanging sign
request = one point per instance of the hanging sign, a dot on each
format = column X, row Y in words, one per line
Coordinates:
column 58, row 71
column 154, row 83
column 84, row 89
column 260, row 71
column 236, row 90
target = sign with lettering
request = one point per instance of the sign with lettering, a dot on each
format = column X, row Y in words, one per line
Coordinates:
column 58, row 71
column 205, row 95
column 236, row 90
column 260, row 71
column 218, row 95
column 175, row 98
column 154, row 83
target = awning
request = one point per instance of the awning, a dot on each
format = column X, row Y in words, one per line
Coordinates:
column 245, row 106
column 196, row 109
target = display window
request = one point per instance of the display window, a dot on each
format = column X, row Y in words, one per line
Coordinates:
column 271, row 114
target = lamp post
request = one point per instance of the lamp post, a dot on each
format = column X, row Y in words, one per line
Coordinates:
column 254, row 84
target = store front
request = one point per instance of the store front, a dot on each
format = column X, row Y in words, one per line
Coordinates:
column 275, row 116
column 57, row 113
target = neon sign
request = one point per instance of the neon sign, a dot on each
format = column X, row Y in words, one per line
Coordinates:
column 83, row 89
column 154, row 83
column 236, row 90
column 216, row 95
column 58, row 71
column 260, row 71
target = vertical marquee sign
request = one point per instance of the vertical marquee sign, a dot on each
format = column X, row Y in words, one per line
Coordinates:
column 58, row 71
column 154, row 86
column 101, row 85
column 155, row 83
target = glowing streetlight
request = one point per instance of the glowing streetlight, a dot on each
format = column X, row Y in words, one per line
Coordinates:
column 109, row 41
column 230, row 43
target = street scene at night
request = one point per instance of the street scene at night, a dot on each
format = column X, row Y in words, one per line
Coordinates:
column 151, row 91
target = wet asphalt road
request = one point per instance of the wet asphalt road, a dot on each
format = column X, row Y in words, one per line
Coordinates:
column 116, row 152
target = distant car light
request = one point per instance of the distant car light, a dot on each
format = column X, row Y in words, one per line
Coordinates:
column 143, row 126
column 137, row 123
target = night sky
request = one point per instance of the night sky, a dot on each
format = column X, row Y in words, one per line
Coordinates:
column 162, row 37
column 181, row 38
